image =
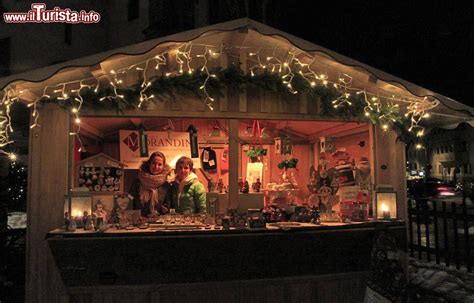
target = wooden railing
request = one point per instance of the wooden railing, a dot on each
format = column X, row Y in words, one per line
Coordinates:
column 439, row 231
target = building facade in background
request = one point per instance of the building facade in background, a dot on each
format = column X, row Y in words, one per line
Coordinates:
column 449, row 153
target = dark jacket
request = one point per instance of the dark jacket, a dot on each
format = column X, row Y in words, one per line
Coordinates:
column 164, row 198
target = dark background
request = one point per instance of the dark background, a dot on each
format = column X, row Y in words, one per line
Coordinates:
column 428, row 43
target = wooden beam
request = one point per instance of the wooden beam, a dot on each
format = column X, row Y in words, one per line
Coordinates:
column 351, row 131
column 330, row 131
column 91, row 131
column 233, row 163
column 282, row 128
column 210, row 114
column 136, row 121
column 243, row 93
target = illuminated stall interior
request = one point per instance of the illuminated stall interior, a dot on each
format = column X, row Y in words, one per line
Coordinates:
column 318, row 163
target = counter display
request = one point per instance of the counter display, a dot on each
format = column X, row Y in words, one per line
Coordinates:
column 160, row 256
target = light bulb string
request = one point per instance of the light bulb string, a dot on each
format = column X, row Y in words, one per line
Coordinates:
column 287, row 65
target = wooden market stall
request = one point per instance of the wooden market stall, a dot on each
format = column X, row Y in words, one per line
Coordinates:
column 325, row 127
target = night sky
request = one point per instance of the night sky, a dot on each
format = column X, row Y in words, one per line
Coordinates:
column 430, row 44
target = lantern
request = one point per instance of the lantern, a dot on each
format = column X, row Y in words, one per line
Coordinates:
column 386, row 202
column 78, row 204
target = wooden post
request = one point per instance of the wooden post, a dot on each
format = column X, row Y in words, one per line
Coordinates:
column 224, row 63
column 233, row 163
column 390, row 165
column 47, row 183
column 243, row 94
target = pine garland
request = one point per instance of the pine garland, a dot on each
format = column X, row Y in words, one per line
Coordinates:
column 164, row 88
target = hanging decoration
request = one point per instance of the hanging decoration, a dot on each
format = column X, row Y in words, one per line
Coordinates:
column 143, row 142
column 255, row 152
column 193, row 139
column 187, row 69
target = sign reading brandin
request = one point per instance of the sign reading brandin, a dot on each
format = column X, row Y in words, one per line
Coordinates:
column 173, row 145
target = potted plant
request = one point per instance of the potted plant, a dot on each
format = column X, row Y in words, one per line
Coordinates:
column 255, row 153
column 285, row 164
column 289, row 164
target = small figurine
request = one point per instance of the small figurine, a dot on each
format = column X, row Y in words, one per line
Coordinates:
column 326, row 199
column 241, row 184
column 314, row 215
column 276, row 214
column 100, row 214
column 256, row 185
column 245, row 188
column 123, row 221
column 211, row 186
column 89, row 225
column 220, row 186
column 66, row 220
column 85, row 214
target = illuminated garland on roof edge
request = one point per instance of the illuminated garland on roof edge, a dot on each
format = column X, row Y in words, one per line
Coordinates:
column 285, row 76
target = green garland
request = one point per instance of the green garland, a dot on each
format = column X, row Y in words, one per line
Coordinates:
column 163, row 88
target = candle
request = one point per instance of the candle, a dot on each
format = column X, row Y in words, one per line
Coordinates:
column 385, row 212
column 77, row 217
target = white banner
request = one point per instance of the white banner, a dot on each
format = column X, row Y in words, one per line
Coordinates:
column 173, row 145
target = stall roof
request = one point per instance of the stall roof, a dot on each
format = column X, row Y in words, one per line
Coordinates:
column 239, row 32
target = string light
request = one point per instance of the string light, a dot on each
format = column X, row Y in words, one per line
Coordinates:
column 190, row 56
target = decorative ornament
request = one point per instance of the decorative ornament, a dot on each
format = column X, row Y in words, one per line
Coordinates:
column 193, row 139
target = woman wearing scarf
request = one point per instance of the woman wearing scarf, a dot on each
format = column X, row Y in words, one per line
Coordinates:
column 188, row 194
column 151, row 191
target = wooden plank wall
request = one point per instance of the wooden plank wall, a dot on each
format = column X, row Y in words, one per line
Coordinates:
column 348, row 287
column 47, row 184
column 391, row 152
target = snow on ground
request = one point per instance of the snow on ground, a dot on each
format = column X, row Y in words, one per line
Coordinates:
column 437, row 283
column 17, row 220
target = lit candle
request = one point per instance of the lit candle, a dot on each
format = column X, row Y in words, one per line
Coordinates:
column 385, row 212
column 77, row 217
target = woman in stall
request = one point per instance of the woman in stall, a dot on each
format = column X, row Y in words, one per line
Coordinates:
column 152, row 191
column 188, row 194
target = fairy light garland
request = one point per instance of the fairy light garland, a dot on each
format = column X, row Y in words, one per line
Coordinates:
column 379, row 107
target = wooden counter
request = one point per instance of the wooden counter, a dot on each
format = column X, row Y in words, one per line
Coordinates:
column 140, row 258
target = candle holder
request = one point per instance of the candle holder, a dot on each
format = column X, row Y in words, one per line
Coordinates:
column 78, row 204
column 386, row 204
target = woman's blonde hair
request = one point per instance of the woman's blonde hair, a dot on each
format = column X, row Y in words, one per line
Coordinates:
column 146, row 164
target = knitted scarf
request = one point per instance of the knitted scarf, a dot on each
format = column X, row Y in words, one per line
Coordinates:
column 149, row 186
column 182, row 183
